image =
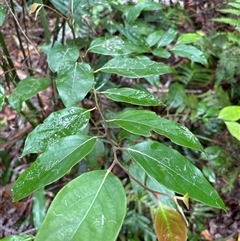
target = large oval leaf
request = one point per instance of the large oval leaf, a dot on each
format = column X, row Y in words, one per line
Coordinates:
column 132, row 96
column 26, row 89
column 113, row 46
column 230, row 113
column 74, row 83
column 169, row 224
column 170, row 168
column 91, row 207
column 135, row 68
column 52, row 164
column 190, row 52
column 66, row 122
column 141, row 122
column 61, row 56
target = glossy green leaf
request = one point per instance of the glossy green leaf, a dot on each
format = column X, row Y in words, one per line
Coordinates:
column 18, row 238
column 26, row 89
column 161, row 52
column 132, row 13
column 230, row 113
column 59, row 124
column 74, row 83
column 188, row 38
column 54, row 163
column 91, row 207
column 190, row 52
column 3, row 15
column 154, row 37
column 233, row 128
column 135, row 68
column 39, row 207
column 2, row 97
column 170, row 168
column 169, row 224
column 132, row 96
column 142, row 122
column 61, row 57
column 167, row 37
column 113, row 46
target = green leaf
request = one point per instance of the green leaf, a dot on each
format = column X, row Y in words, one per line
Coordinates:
column 3, row 15
column 132, row 96
column 133, row 12
column 91, row 207
column 169, row 224
column 2, row 97
column 188, row 38
column 162, row 53
column 233, row 128
column 26, row 89
column 170, row 168
column 113, row 46
column 167, row 37
column 61, row 57
column 74, row 83
column 230, row 113
column 142, row 122
column 54, row 163
column 18, row 238
column 190, row 52
column 176, row 95
column 39, row 207
column 154, row 37
column 135, row 68
column 59, row 124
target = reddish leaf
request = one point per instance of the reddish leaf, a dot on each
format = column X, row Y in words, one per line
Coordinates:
column 169, row 225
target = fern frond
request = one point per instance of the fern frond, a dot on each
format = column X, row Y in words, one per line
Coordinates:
column 230, row 21
column 235, row 4
column 230, row 11
column 234, row 38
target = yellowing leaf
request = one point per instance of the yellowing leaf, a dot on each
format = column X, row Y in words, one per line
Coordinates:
column 34, row 7
column 169, row 225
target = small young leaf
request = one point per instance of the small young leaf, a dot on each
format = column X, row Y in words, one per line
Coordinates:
column 61, row 57
column 135, row 68
column 113, row 46
column 230, row 113
column 2, row 97
column 26, row 89
column 3, row 15
column 188, row 38
column 170, row 168
column 169, row 225
column 132, row 96
column 59, row 124
column 190, row 52
column 141, row 122
column 91, row 207
column 52, row 164
column 167, row 37
column 74, row 83
column 176, row 95
column 233, row 128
